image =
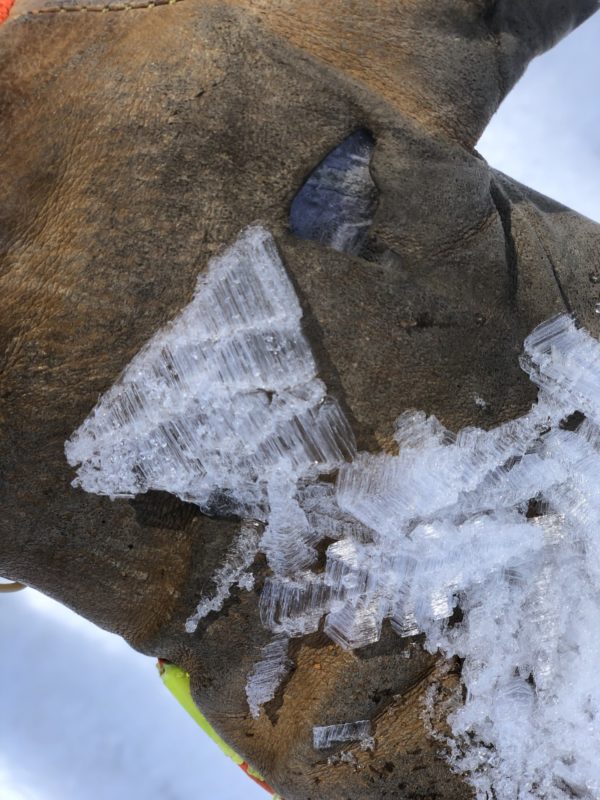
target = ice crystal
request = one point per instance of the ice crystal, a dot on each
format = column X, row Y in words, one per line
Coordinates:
column 327, row 736
column 222, row 398
column 267, row 676
column 234, row 571
column 226, row 402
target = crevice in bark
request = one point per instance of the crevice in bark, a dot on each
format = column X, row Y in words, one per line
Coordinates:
column 503, row 207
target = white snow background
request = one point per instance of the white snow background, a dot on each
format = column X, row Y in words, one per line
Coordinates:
column 84, row 717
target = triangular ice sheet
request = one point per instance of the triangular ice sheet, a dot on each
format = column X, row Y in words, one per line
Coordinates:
column 220, row 398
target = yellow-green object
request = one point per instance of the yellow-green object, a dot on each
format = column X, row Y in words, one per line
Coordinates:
column 177, row 682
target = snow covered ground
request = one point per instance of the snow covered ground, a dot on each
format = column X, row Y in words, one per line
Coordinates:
column 83, row 717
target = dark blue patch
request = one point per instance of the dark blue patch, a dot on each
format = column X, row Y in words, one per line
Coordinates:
column 337, row 203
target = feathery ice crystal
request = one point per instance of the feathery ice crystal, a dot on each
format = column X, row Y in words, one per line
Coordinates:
column 225, row 401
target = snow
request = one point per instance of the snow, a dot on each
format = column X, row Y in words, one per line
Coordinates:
column 504, row 524
column 85, row 716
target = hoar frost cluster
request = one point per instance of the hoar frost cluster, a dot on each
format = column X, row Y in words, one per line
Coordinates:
column 226, row 402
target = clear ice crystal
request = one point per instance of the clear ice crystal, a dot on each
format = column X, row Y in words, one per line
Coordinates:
column 294, row 606
column 328, row 736
column 226, row 401
column 268, row 674
column 234, row 571
column 221, row 398
column 353, row 626
column 503, row 523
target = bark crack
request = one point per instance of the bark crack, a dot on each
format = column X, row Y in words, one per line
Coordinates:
column 503, row 207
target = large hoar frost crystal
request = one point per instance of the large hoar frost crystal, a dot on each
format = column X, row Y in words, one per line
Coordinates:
column 225, row 401
column 222, row 398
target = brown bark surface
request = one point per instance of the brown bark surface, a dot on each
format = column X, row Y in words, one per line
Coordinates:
column 137, row 143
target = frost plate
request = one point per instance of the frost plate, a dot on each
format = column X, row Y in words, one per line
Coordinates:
column 327, row 736
column 220, row 399
column 267, row 676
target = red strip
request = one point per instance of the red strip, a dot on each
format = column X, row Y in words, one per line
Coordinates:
column 262, row 784
column 5, row 6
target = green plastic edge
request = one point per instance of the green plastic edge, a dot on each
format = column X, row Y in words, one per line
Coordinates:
column 177, row 682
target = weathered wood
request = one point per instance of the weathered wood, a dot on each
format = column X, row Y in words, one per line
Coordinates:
column 135, row 146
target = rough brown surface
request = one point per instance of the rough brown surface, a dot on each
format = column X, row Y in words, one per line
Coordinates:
column 136, row 143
